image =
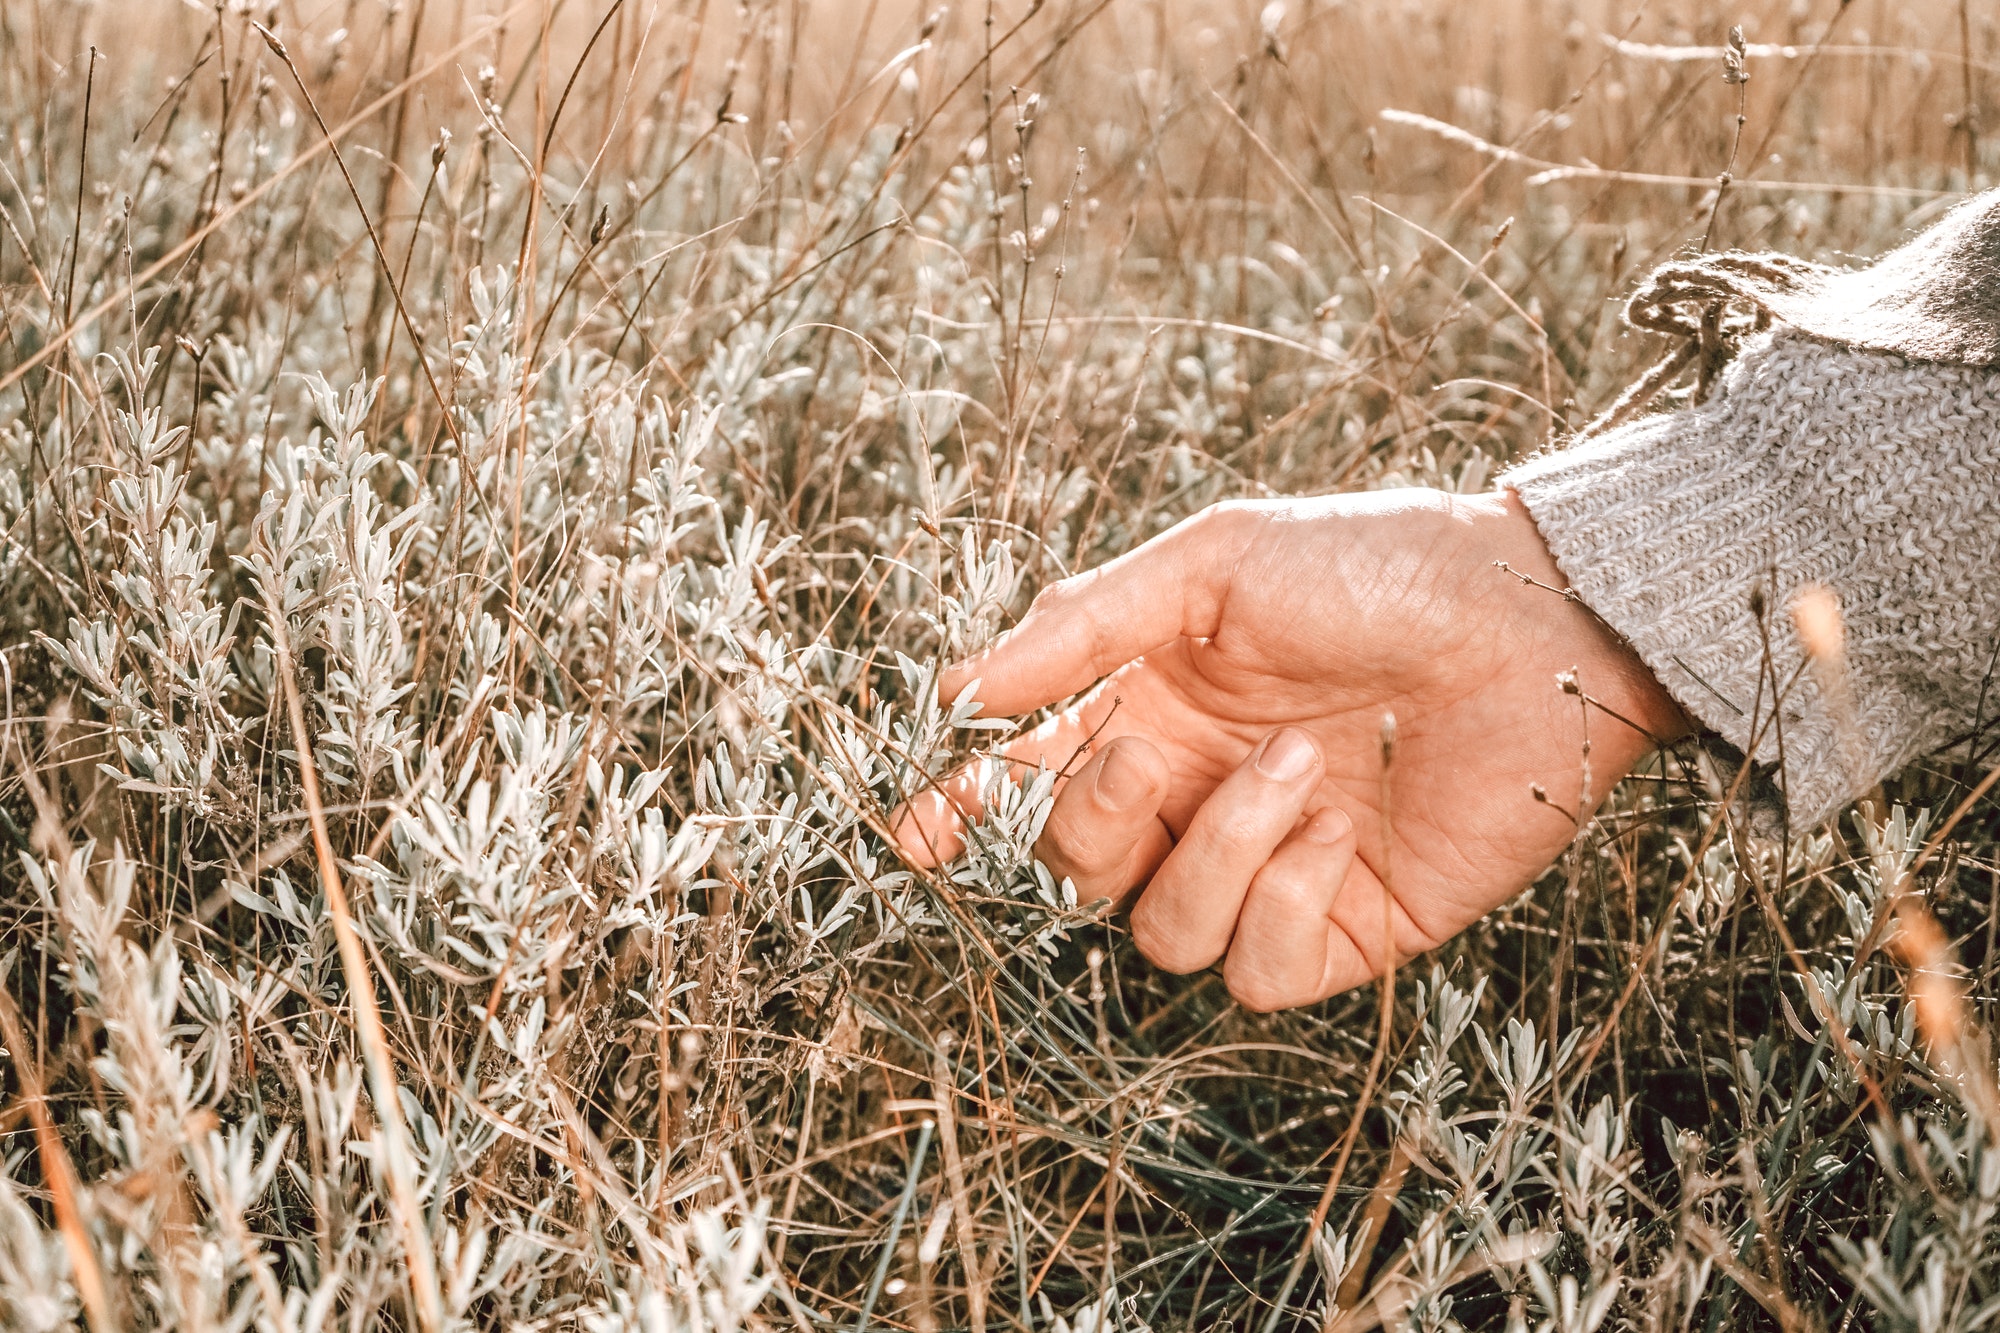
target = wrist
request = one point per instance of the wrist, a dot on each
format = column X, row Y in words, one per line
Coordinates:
column 1612, row 671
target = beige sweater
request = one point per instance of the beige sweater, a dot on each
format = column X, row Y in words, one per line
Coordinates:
column 1815, row 459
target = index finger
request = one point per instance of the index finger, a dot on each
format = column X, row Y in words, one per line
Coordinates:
column 1086, row 627
column 931, row 824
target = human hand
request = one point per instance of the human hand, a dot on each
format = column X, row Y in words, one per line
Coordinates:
column 1231, row 761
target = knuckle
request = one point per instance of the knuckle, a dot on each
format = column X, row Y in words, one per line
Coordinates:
column 1238, row 833
column 1168, row 959
column 1418, row 930
column 1163, row 947
column 1288, row 894
column 1073, row 846
column 1256, row 991
column 1050, row 598
column 1228, row 518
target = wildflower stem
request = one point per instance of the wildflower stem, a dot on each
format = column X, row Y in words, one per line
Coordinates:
column 896, row 1225
column 427, row 1300
column 60, row 1175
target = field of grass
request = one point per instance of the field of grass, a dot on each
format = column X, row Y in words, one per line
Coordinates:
column 485, row 489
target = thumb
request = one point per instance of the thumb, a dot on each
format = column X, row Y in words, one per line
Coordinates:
column 1087, row 626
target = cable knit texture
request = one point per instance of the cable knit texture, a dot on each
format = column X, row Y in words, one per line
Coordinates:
column 1813, row 463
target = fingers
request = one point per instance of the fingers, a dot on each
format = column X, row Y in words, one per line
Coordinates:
column 1288, row 950
column 1184, row 920
column 1105, row 833
column 930, row 826
column 1286, row 897
column 1088, row 626
column 1078, row 631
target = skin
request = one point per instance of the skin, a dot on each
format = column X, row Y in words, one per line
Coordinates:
column 1225, row 760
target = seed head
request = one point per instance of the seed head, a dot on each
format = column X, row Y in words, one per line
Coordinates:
column 1734, row 70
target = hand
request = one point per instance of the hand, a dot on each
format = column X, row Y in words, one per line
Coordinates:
column 1231, row 761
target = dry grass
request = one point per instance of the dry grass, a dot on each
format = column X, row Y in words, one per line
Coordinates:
column 516, row 729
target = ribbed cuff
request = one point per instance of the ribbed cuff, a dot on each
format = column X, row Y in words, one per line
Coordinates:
column 1678, row 528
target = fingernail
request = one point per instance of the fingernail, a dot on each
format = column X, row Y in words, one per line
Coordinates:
column 1120, row 783
column 1329, row 826
column 1287, row 755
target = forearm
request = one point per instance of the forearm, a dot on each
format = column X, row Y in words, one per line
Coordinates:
column 1814, row 464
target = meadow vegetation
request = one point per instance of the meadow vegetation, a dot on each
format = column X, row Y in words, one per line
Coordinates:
column 485, row 490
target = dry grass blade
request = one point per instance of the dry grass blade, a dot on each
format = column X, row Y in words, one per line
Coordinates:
column 61, row 1175
column 426, row 1302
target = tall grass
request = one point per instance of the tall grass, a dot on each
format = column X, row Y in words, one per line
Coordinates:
column 485, row 491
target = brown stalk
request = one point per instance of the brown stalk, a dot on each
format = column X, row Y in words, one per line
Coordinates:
column 387, row 268
column 1365, row 1101
column 1549, row 172
column 1380, row 1199
column 1398, row 1164
column 426, row 1299
column 60, row 1174
column 56, row 1164
column 82, row 171
column 1968, row 119
column 385, row 197
column 1734, row 71
column 944, row 1088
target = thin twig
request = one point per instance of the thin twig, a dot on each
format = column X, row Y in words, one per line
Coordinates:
column 427, row 1300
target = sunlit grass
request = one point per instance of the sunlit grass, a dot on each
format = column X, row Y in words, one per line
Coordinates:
column 517, row 470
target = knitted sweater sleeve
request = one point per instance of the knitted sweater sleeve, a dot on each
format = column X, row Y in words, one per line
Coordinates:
column 1813, row 463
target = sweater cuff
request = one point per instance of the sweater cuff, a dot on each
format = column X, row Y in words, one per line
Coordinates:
column 1669, row 531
